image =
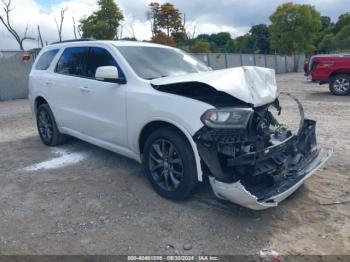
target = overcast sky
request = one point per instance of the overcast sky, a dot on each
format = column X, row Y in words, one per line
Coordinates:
column 207, row 16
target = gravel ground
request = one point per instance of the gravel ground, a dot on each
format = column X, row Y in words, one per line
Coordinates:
column 80, row 199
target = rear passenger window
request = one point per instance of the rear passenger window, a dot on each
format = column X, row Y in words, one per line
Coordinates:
column 45, row 59
column 73, row 61
column 99, row 57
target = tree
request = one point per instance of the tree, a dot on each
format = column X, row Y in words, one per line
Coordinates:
column 163, row 39
column 76, row 30
column 203, row 37
column 8, row 25
column 103, row 23
column 153, row 17
column 192, row 31
column 170, row 19
column 259, row 35
column 130, row 26
column 325, row 22
column 327, row 43
column 342, row 38
column 244, row 44
column 129, row 39
column 200, row 46
column 219, row 40
column 343, row 20
column 231, row 46
column 59, row 26
column 324, row 35
column 167, row 18
column 294, row 27
column 40, row 39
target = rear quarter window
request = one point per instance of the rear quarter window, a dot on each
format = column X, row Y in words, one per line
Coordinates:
column 45, row 59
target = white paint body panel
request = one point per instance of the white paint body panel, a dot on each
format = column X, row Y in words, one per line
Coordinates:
column 253, row 85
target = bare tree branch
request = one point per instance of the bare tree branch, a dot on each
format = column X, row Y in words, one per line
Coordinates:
column 40, row 39
column 60, row 25
column 121, row 30
column 191, row 30
column 74, row 28
column 25, row 37
column 129, row 26
column 7, row 23
column 79, row 31
column 58, row 28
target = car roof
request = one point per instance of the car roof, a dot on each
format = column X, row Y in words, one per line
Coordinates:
column 83, row 42
column 333, row 55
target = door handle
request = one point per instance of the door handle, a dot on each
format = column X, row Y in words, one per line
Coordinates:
column 84, row 89
column 48, row 83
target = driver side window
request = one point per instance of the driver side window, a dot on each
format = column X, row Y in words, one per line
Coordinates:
column 99, row 57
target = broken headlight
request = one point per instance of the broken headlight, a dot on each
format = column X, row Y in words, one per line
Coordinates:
column 227, row 117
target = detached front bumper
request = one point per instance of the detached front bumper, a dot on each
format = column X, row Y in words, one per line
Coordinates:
column 237, row 193
column 260, row 177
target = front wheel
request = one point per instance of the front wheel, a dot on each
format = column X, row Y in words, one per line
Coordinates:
column 340, row 85
column 169, row 164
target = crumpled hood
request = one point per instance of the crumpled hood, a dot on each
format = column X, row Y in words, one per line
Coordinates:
column 251, row 84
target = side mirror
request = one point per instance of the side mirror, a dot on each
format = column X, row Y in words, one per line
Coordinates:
column 109, row 74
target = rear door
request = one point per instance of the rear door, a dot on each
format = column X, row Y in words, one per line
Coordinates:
column 66, row 87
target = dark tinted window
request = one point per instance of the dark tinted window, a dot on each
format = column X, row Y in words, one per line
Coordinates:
column 99, row 57
column 73, row 61
column 45, row 59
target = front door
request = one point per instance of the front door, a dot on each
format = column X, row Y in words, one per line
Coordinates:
column 103, row 104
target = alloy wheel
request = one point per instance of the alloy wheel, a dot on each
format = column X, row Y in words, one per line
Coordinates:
column 45, row 125
column 341, row 85
column 165, row 165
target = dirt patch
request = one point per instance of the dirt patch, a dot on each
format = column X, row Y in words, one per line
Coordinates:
column 103, row 204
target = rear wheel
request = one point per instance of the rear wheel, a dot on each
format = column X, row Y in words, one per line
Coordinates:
column 47, row 128
column 170, row 164
column 340, row 85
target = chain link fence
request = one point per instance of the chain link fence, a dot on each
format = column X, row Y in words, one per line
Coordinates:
column 15, row 67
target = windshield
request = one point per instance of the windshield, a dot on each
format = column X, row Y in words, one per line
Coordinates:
column 155, row 62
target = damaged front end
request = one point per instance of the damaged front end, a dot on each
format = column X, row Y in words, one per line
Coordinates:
column 258, row 162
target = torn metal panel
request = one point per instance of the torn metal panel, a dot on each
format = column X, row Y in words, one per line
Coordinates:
column 237, row 193
column 252, row 85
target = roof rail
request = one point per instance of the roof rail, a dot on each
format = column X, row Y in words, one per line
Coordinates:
column 72, row 40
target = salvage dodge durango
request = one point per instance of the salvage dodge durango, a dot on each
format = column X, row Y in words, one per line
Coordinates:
column 176, row 116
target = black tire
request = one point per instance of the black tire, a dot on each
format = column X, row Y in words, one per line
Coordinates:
column 47, row 127
column 340, row 85
column 176, row 157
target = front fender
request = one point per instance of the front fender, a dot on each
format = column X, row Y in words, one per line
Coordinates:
column 146, row 105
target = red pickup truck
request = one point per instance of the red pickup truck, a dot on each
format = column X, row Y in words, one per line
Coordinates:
column 332, row 69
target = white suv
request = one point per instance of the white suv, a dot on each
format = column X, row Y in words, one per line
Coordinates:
column 183, row 121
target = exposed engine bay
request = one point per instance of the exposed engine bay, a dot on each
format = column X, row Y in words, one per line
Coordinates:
column 266, row 157
column 202, row 92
